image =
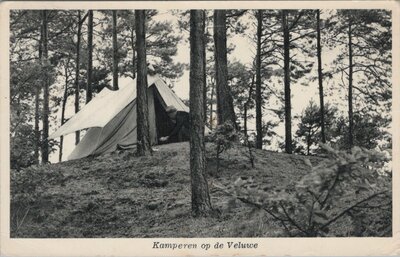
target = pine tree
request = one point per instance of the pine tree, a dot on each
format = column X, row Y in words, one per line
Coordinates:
column 225, row 108
column 45, row 115
column 365, row 60
column 288, row 105
column 350, row 86
column 37, row 104
column 90, row 57
column 143, row 136
column 201, row 204
column 259, row 139
column 297, row 25
column 115, row 50
column 64, row 104
column 320, row 78
column 77, row 71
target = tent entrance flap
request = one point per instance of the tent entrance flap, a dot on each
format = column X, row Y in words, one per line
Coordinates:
column 163, row 122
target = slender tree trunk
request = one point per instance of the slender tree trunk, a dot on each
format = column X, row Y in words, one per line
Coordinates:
column 37, row 119
column 77, row 70
column 211, row 104
column 45, row 118
column 259, row 137
column 90, row 57
column 143, row 135
column 308, row 143
column 225, row 108
column 350, row 97
column 115, row 51
column 320, row 78
column 288, row 107
column 37, row 103
column 133, row 54
column 201, row 204
column 245, row 120
column 64, row 103
column 246, row 106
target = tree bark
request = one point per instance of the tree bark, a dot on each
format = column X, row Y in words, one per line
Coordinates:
column 77, row 70
column 225, row 110
column 115, row 51
column 259, row 137
column 211, row 104
column 320, row 78
column 143, row 135
column 205, row 70
column 37, row 103
column 308, row 141
column 201, row 204
column 45, row 118
column 350, row 96
column 133, row 54
column 64, row 103
column 90, row 57
column 246, row 106
column 288, row 107
column 245, row 120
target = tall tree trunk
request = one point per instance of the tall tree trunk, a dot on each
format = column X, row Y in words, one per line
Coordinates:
column 133, row 54
column 320, row 78
column 115, row 51
column 37, row 103
column 64, row 103
column 201, row 204
column 288, row 106
column 90, row 57
column 143, row 134
column 225, row 108
column 77, row 70
column 350, row 96
column 45, row 118
column 259, row 138
column 205, row 39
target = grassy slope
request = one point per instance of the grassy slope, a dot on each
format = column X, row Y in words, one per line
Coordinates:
column 119, row 195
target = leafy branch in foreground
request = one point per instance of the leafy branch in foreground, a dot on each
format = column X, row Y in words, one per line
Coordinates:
column 343, row 185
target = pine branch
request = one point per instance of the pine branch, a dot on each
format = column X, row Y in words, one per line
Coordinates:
column 302, row 36
column 83, row 19
column 292, row 221
column 294, row 23
column 351, row 208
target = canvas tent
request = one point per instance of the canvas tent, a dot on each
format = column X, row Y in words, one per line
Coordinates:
column 111, row 118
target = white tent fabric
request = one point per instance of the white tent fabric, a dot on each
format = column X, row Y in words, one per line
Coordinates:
column 111, row 118
column 169, row 97
column 107, row 104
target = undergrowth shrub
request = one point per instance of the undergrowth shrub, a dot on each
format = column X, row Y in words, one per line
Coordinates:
column 223, row 136
column 343, row 188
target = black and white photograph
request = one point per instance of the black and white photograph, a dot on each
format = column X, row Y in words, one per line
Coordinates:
column 200, row 123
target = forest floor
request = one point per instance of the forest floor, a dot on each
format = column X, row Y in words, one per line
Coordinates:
column 121, row 195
